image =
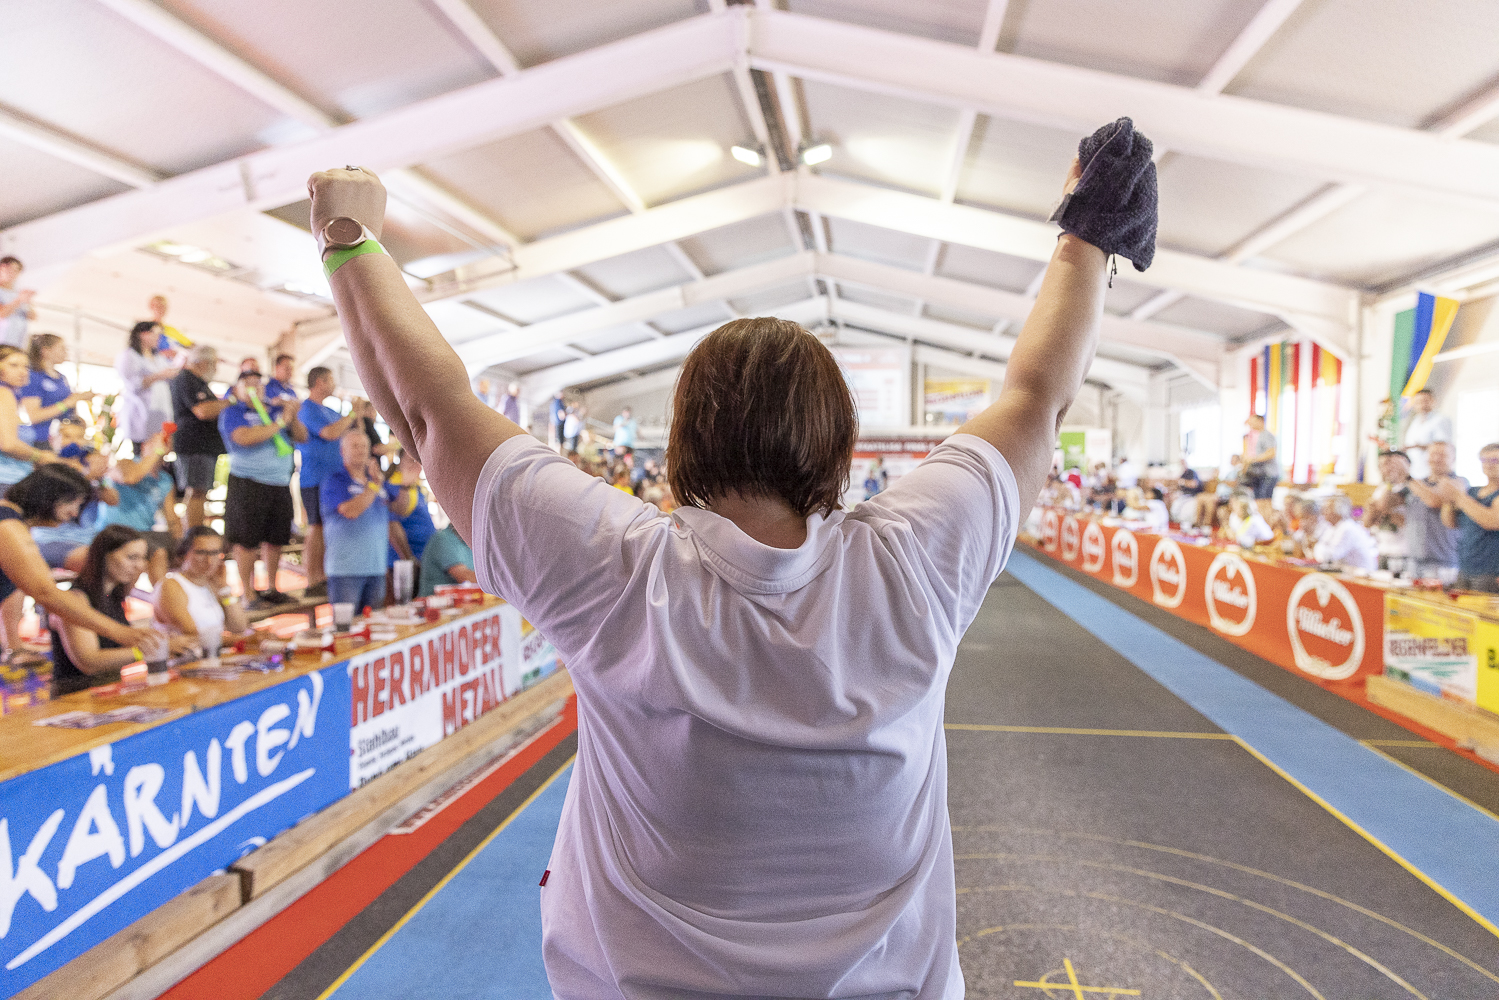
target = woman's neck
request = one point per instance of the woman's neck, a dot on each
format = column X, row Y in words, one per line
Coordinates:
column 768, row 520
column 49, row 368
column 359, row 474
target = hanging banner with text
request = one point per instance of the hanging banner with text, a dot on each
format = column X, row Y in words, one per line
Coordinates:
column 93, row 843
column 410, row 694
column 1324, row 627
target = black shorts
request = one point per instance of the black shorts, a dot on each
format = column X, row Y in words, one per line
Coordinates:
column 1262, row 486
column 311, row 506
column 195, row 472
column 255, row 513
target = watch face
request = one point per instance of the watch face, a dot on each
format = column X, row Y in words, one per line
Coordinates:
column 342, row 232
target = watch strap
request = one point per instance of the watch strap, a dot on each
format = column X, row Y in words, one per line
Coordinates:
column 339, row 258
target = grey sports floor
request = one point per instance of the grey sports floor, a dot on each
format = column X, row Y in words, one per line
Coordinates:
column 1110, row 839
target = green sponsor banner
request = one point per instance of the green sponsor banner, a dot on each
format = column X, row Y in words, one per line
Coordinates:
column 1074, row 449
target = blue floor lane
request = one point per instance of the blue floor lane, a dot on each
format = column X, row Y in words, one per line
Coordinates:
column 478, row 935
column 1444, row 840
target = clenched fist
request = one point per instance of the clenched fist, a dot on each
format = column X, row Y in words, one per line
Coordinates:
column 347, row 193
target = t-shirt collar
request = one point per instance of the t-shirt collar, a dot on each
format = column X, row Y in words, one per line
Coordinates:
column 752, row 567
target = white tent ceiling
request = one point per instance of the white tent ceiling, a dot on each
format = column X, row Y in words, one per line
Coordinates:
column 564, row 199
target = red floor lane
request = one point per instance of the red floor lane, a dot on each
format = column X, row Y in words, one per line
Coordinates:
column 264, row 957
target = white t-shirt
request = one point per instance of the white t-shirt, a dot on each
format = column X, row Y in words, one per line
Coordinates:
column 1348, row 543
column 202, row 604
column 759, row 802
column 1424, row 430
column 143, row 410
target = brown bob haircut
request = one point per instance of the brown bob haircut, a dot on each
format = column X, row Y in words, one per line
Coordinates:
column 761, row 409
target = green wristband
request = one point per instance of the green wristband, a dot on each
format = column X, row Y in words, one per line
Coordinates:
column 339, row 258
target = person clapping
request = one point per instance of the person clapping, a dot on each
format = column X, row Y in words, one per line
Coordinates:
column 356, row 525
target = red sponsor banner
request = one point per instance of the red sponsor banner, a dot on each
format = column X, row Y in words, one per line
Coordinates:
column 1325, row 627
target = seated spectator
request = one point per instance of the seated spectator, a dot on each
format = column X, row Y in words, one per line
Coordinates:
column 195, row 600
column 81, row 657
column 1307, row 527
column 143, row 490
column 1430, row 520
column 258, row 509
column 1184, row 507
column 1384, row 514
column 1478, row 525
column 65, row 546
column 1346, row 542
column 1246, row 527
column 51, row 495
column 356, row 525
column 447, row 559
column 1145, row 507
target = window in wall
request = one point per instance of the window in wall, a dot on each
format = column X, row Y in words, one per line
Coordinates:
column 1201, row 441
column 1475, row 423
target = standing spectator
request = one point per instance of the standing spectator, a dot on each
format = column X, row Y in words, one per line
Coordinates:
column 356, row 524
column 247, row 366
column 47, row 395
column 510, row 404
column 572, row 428
column 1477, row 525
column 1430, row 522
column 1425, row 428
column 556, row 415
column 378, row 446
column 1346, row 542
column 17, row 455
column 320, row 457
column 875, row 479
column 49, row 496
column 195, row 600
column 15, row 306
column 625, row 429
column 146, row 402
column 82, row 657
column 143, row 489
column 409, row 516
column 1384, row 515
column 196, row 410
column 258, row 511
column 283, row 369
column 447, row 559
column 1261, row 467
column 1127, row 474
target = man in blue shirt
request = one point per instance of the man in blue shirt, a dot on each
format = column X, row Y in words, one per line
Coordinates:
column 258, row 511
column 356, row 525
column 279, row 384
column 320, row 457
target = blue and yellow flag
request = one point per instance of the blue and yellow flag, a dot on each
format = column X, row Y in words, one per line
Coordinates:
column 1419, row 336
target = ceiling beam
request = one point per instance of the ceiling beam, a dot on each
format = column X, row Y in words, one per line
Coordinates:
column 1265, row 23
column 70, row 150
column 534, row 98
column 976, row 227
column 1257, row 133
column 993, row 26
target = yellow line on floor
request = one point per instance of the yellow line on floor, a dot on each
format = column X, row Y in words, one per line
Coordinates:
column 1431, row 883
column 1423, row 744
column 439, row 886
column 1066, row 731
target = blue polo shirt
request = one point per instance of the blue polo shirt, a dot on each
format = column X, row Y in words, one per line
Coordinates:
column 417, row 525
column 319, row 457
column 276, row 389
column 50, row 389
column 258, row 462
column 353, row 547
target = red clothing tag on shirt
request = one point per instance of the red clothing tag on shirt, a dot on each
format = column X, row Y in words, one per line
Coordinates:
column 544, row 876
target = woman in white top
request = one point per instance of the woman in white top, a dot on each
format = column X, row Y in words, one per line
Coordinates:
column 1245, row 525
column 759, row 801
column 146, row 402
column 195, row 599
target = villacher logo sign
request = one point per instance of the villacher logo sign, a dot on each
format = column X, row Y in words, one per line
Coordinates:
column 1327, row 630
column 1168, row 574
column 1229, row 591
column 1126, row 553
column 1070, row 540
column 1095, row 549
column 1051, row 527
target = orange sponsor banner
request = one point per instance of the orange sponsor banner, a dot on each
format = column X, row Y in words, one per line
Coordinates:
column 1322, row 626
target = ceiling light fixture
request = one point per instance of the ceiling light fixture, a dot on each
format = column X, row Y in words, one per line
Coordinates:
column 745, row 155
column 819, row 153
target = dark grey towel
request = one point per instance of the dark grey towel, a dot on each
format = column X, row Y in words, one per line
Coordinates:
column 1114, row 205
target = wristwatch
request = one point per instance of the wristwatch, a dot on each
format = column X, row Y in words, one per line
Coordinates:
column 341, row 234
